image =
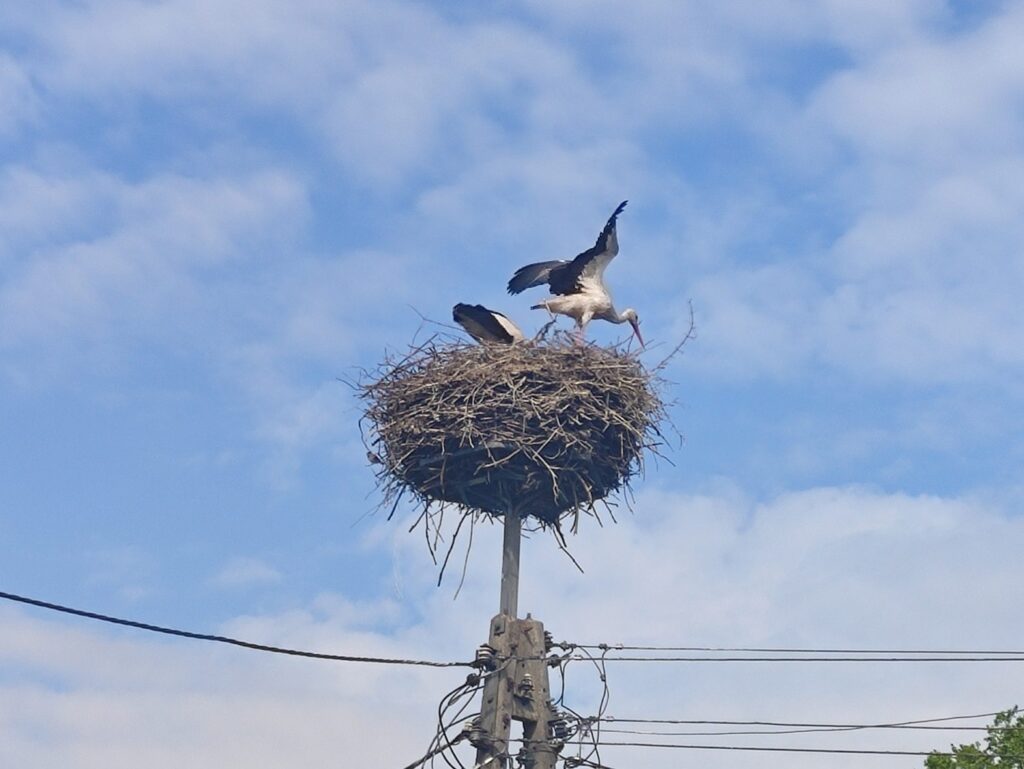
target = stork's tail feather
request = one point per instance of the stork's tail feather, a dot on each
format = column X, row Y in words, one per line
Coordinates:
column 532, row 275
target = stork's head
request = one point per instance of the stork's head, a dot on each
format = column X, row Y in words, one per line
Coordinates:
column 634, row 321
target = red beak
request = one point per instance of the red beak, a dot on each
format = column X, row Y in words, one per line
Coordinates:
column 636, row 330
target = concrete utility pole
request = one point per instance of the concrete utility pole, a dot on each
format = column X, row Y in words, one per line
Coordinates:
column 517, row 689
column 509, row 603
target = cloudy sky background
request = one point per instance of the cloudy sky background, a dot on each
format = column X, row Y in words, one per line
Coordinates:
column 209, row 212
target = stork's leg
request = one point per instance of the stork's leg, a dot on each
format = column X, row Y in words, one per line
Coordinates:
column 581, row 327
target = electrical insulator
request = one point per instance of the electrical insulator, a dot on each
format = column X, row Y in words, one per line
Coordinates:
column 559, row 728
column 526, row 686
column 549, row 640
column 485, row 657
column 475, row 733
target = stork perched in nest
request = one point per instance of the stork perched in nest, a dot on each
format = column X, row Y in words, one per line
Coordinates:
column 486, row 326
column 577, row 286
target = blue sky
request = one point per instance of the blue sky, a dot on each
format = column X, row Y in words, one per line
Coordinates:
column 212, row 211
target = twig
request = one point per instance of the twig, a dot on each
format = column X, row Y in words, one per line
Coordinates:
column 691, row 333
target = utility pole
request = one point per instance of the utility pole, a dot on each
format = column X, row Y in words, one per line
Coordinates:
column 517, row 688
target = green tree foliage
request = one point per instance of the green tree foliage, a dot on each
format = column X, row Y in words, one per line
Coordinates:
column 1003, row 748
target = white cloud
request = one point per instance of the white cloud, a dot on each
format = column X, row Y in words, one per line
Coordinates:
column 214, row 267
column 125, row 701
column 832, row 567
column 138, row 262
column 436, row 97
column 908, row 153
column 246, row 572
column 538, row 197
column 503, row 138
column 393, row 89
column 938, row 100
column 921, row 290
column 929, row 288
column 129, row 571
column 185, row 48
column 758, row 319
column 40, row 208
column 19, row 103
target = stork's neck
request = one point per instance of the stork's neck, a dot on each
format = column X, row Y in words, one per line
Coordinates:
column 614, row 316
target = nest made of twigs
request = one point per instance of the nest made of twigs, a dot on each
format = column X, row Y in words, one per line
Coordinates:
column 544, row 428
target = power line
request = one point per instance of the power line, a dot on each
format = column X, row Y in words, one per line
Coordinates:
column 433, row 752
column 224, row 639
column 607, row 724
column 780, row 650
column 771, row 732
column 767, row 749
column 772, row 749
column 812, row 730
column 810, row 659
column 927, row 724
column 614, row 719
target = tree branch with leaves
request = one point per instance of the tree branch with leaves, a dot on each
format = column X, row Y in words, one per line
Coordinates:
column 1003, row 748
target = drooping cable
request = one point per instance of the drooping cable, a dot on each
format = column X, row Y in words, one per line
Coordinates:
column 225, row 639
column 787, row 650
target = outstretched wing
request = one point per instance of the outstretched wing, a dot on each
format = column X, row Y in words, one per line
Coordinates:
column 590, row 265
column 533, row 275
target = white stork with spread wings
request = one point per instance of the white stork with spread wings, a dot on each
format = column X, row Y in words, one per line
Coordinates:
column 578, row 288
column 486, row 326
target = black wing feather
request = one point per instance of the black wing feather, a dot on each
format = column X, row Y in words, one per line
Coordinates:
column 480, row 323
column 566, row 279
column 533, row 275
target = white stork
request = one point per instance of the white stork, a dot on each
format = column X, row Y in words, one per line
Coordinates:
column 578, row 286
column 486, row 325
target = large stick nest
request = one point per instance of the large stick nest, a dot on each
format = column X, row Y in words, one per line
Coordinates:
column 545, row 428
